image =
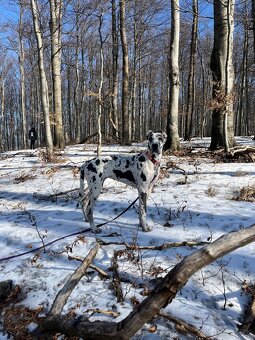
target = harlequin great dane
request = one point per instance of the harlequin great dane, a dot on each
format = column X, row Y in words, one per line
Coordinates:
column 140, row 171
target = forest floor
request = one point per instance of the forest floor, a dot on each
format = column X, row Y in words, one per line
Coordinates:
column 198, row 198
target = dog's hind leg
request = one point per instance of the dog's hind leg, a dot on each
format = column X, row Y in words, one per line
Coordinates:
column 83, row 194
column 94, row 193
column 83, row 201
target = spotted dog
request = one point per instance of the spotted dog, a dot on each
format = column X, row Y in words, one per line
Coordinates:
column 140, row 171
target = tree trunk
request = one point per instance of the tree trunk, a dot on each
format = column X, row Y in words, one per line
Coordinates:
column 191, row 80
column 56, row 28
column 125, row 75
column 223, row 75
column 173, row 141
column 43, row 80
column 77, row 77
column 99, row 116
column 22, row 77
column 115, row 53
column 253, row 26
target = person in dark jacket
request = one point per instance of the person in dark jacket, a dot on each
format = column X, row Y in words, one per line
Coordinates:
column 32, row 135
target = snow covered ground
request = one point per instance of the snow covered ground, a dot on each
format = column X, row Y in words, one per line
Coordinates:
column 199, row 210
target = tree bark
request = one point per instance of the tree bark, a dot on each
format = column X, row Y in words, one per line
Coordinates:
column 223, row 75
column 43, row 80
column 253, row 26
column 191, row 80
column 115, row 47
column 160, row 297
column 99, row 114
column 173, row 141
column 56, row 30
column 22, row 77
column 125, row 75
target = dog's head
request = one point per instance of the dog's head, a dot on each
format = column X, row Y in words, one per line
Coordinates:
column 156, row 141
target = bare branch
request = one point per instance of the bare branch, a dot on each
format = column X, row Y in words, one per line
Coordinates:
column 160, row 297
column 65, row 292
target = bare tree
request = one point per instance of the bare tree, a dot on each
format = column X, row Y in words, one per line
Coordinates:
column 223, row 75
column 173, row 141
column 99, row 114
column 43, row 79
column 22, row 75
column 191, row 80
column 125, row 75
column 56, row 8
column 115, row 54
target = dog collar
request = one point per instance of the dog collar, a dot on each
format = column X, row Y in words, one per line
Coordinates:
column 154, row 161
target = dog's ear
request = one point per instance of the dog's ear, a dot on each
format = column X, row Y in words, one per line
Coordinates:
column 164, row 135
column 149, row 134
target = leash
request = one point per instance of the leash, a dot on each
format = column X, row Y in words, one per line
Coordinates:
column 66, row 236
column 115, row 218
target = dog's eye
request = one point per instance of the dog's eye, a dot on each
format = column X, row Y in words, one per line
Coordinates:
column 160, row 139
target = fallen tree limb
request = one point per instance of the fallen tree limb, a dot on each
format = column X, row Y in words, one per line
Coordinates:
column 100, row 271
column 5, row 289
column 183, row 326
column 123, row 277
column 160, row 247
column 160, row 297
column 248, row 324
column 240, row 150
column 54, row 196
column 65, row 292
column 105, row 312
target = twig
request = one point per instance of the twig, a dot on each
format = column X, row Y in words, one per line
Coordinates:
column 116, row 278
column 53, row 196
column 182, row 326
column 34, row 224
column 92, row 266
column 160, row 247
column 64, row 293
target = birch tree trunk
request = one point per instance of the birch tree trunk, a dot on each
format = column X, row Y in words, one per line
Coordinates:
column 43, row 80
column 22, row 77
column 56, row 30
column 125, row 75
column 173, row 141
column 223, row 75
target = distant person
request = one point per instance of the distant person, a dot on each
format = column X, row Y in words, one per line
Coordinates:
column 32, row 135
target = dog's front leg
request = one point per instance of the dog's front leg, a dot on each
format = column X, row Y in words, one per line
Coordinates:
column 142, row 211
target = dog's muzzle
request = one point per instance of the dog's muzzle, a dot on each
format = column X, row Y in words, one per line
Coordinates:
column 154, row 147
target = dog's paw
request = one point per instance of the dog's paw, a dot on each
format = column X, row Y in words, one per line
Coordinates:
column 147, row 228
column 96, row 230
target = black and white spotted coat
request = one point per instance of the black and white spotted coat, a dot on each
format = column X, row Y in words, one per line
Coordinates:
column 140, row 171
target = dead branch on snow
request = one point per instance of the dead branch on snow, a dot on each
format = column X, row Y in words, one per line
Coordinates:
column 160, row 297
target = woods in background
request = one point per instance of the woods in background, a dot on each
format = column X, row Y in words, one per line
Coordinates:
column 128, row 66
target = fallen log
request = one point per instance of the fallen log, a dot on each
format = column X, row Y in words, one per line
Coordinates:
column 248, row 324
column 5, row 289
column 159, row 298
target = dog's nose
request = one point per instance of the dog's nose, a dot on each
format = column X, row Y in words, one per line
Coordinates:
column 155, row 147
